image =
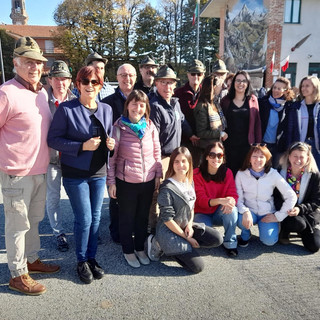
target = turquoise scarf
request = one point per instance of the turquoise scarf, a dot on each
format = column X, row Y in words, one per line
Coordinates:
column 138, row 128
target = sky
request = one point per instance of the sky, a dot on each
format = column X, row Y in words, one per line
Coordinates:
column 40, row 12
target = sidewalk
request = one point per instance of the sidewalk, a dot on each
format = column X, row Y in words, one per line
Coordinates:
column 277, row 283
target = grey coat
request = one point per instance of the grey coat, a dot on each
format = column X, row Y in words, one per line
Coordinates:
column 173, row 206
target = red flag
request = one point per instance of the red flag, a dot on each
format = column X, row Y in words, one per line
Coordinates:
column 285, row 64
column 272, row 62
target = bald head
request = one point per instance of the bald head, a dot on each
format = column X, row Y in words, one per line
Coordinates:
column 126, row 76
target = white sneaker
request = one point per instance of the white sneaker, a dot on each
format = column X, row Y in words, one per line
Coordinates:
column 154, row 250
column 142, row 257
column 132, row 260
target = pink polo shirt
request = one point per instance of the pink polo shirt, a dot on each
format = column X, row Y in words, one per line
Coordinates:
column 24, row 123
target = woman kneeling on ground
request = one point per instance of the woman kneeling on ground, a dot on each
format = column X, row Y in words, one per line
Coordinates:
column 176, row 233
column 217, row 195
column 300, row 171
column 255, row 184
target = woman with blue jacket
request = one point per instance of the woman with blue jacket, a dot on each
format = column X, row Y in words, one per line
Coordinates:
column 80, row 131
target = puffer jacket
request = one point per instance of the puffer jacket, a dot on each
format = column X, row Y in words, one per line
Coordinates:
column 256, row 195
column 135, row 160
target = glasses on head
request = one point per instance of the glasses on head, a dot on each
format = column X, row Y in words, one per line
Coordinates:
column 193, row 74
column 85, row 82
column 258, row 144
column 301, row 145
column 240, row 81
column 213, row 155
column 167, row 83
column 125, row 75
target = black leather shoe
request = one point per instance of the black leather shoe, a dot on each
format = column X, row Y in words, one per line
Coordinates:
column 84, row 272
column 96, row 270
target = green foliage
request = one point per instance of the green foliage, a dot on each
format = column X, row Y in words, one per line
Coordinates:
column 7, row 44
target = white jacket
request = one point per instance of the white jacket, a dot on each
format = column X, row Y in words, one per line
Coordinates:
column 256, row 194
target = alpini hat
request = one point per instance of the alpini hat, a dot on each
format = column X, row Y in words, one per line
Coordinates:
column 59, row 69
column 219, row 66
column 28, row 48
column 196, row 66
column 166, row 73
column 95, row 56
column 148, row 61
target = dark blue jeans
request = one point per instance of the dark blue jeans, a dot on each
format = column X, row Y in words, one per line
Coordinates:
column 86, row 198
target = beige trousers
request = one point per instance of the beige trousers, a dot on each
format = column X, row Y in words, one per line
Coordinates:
column 24, row 205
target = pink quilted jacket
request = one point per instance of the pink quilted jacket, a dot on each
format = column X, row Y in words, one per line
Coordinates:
column 135, row 160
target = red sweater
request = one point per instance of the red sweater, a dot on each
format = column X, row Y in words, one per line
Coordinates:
column 212, row 190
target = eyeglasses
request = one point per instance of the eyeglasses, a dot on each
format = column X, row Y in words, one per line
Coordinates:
column 167, row 83
column 258, row 144
column 125, row 75
column 213, row 155
column 196, row 74
column 241, row 81
column 85, row 82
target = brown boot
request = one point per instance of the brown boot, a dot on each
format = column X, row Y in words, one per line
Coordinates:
column 40, row 267
column 25, row 284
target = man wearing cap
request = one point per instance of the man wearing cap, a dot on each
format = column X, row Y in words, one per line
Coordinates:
column 96, row 60
column 24, row 123
column 148, row 70
column 59, row 79
column 220, row 72
column 188, row 98
column 126, row 76
column 169, row 120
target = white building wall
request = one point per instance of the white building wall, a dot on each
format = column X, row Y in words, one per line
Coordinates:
column 309, row 52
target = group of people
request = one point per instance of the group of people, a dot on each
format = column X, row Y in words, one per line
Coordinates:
column 177, row 162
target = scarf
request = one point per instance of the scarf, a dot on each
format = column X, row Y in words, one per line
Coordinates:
column 293, row 181
column 256, row 174
column 277, row 104
column 138, row 128
column 214, row 117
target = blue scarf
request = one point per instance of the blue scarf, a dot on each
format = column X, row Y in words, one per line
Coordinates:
column 256, row 174
column 277, row 104
column 138, row 128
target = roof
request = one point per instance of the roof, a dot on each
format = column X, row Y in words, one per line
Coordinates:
column 36, row 32
column 212, row 9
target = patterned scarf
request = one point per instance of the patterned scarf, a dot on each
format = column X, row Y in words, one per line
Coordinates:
column 138, row 128
column 277, row 104
column 293, row 181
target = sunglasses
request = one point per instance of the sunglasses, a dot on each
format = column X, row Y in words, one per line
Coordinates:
column 85, row 82
column 258, row 145
column 213, row 155
column 196, row 74
column 300, row 145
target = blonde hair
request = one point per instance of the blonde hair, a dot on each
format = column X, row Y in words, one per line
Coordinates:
column 316, row 85
column 311, row 165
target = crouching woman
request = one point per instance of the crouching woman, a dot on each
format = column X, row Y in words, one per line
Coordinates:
column 176, row 233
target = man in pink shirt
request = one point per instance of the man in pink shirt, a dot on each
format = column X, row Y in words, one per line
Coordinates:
column 24, row 123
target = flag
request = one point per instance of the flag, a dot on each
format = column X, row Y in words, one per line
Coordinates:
column 272, row 62
column 196, row 13
column 285, row 64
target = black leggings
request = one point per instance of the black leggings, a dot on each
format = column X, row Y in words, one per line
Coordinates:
column 208, row 238
column 310, row 240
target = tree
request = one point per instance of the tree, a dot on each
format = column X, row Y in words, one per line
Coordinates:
column 7, row 44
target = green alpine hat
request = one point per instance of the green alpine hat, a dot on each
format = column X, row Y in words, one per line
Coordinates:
column 59, row 69
column 28, row 48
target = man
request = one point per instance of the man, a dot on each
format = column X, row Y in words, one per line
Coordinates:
column 59, row 80
column 94, row 59
column 126, row 76
column 220, row 72
column 170, row 122
column 148, row 69
column 24, row 122
column 188, row 98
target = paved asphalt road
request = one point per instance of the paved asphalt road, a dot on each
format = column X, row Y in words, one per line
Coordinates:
column 280, row 283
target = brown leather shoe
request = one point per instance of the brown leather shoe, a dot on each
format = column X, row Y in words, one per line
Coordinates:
column 40, row 267
column 25, row 284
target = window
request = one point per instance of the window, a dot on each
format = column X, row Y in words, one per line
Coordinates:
column 292, row 11
column 314, row 69
column 49, row 46
column 291, row 73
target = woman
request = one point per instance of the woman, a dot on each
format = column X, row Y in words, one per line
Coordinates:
column 272, row 114
column 80, row 131
column 176, row 234
column 255, row 184
column 210, row 122
column 217, row 195
column 303, row 118
column 300, row 171
column 241, row 110
column 134, row 173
